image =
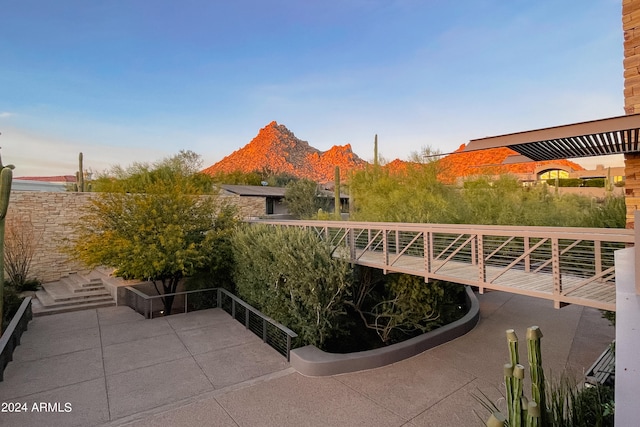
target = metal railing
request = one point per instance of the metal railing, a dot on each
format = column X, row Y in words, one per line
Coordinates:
column 11, row 336
column 271, row 332
column 563, row 264
column 147, row 305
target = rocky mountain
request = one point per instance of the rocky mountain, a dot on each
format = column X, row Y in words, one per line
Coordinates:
column 278, row 150
column 461, row 164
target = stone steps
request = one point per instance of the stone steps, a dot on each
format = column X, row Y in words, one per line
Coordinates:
column 40, row 310
column 77, row 291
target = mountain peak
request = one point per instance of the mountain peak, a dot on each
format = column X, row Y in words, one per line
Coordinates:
column 277, row 149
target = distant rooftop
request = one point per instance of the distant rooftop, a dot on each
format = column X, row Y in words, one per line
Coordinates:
column 254, row 190
column 34, row 185
column 57, row 179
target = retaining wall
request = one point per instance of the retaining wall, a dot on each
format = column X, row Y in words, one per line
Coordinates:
column 311, row 361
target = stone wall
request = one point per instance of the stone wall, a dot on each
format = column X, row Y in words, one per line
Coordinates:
column 52, row 216
column 249, row 207
column 631, row 30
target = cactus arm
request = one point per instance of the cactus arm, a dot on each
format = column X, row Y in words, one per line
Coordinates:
column 6, row 177
column 515, row 416
column 496, row 420
column 535, row 366
column 512, row 339
column 533, row 415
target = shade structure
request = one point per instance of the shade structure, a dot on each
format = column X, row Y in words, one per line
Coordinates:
column 615, row 135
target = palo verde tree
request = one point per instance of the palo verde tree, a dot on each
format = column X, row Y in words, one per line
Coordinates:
column 155, row 223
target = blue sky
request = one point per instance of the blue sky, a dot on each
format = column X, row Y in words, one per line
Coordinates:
column 138, row 80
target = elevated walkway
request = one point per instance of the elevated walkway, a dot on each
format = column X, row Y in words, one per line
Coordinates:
column 561, row 264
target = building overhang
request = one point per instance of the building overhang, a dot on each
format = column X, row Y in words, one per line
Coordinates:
column 615, row 135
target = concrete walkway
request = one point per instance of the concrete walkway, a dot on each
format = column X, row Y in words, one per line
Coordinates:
column 111, row 367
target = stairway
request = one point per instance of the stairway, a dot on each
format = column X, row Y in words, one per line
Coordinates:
column 76, row 291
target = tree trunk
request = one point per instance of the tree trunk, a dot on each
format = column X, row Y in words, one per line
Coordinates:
column 169, row 288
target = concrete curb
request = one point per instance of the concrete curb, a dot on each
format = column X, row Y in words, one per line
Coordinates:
column 312, row 361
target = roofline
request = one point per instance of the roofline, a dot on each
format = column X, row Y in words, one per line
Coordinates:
column 611, row 124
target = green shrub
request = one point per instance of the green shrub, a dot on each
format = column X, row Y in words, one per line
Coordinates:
column 290, row 275
column 11, row 305
column 565, row 182
column 594, row 182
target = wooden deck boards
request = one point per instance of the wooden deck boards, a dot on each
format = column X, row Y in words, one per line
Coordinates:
column 594, row 294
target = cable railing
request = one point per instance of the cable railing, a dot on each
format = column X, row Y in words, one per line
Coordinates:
column 568, row 265
column 276, row 335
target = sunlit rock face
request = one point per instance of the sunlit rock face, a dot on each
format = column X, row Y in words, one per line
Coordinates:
column 276, row 149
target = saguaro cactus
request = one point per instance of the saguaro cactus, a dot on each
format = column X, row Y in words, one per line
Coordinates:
column 520, row 411
column 336, row 193
column 6, row 176
column 80, row 185
column 375, row 151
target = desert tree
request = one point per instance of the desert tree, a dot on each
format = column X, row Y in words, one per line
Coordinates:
column 156, row 223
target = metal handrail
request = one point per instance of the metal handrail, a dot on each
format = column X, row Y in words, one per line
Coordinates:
column 11, row 336
column 249, row 310
column 568, row 265
column 149, row 309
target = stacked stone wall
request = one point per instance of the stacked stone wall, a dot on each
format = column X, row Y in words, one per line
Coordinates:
column 631, row 31
column 52, row 216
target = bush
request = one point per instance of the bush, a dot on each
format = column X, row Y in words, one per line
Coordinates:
column 11, row 305
column 290, row 275
column 594, row 182
column 20, row 245
column 565, row 182
column 401, row 306
column 571, row 405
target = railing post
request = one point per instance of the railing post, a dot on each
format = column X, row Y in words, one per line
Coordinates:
column 397, row 242
column 246, row 318
column 474, row 251
column 186, row 301
column 426, row 236
column 219, row 298
column 597, row 248
column 527, row 259
column 557, row 276
column 482, row 271
column 264, row 330
column 385, row 251
column 288, row 347
column 352, row 245
column 233, row 308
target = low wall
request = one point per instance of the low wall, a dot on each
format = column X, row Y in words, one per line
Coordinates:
column 312, row 361
column 596, row 192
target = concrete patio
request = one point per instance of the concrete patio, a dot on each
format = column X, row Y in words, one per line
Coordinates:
column 204, row 369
